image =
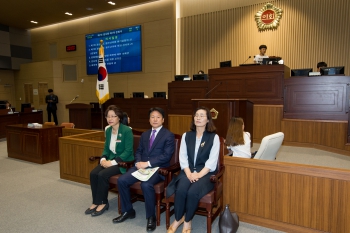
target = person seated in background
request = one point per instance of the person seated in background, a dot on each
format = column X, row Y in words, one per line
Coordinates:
column 126, row 119
column 156, row 148
column 259, row 58
column 200, row 72
column 320, row 65
column 238, row 141
column 118, row 147
column 8, row 105
column 199, row 153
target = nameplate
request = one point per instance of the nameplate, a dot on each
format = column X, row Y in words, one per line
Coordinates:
column 314, row 73
column 187, row 79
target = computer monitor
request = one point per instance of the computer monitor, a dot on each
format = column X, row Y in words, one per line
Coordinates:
column 225, row 64
column 332, row 70
column 180, row 77
column 271, row 60
column 138, row 95
column 2, row 106
column 300, row 72
column 118, row 95
column 159, row 95
column 25, row 105
column 200, row 77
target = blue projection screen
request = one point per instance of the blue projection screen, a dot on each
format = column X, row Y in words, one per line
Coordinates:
column 122, row 48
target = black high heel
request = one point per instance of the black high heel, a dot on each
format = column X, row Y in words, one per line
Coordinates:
column 90, row 211
column 97, row 213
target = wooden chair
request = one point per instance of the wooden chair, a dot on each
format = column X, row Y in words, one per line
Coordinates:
column 68, row 125
column 136, row 191
column 49, row 123
column 212, row 203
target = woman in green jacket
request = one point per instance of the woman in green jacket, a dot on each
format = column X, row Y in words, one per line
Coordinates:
column 118, row 147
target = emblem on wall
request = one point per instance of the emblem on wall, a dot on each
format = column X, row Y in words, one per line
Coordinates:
column 214, row 113
column 268, row 17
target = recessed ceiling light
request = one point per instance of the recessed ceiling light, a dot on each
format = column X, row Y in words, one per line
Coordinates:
column 33, row 22
column 89, row 8
column 112, row 3
column 67, row 13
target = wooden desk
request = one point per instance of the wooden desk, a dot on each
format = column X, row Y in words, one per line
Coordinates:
column 37, row 145
column 260, row 84
column 19, row 118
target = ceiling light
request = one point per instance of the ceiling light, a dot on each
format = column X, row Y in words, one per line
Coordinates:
column 67, row 13
column 33, row 22
column 112, row 3
column 89, row 8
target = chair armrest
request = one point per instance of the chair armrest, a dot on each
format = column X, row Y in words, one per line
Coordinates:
column 93, row 158
column 172, row 169
column 126, row 164
column 217, row 176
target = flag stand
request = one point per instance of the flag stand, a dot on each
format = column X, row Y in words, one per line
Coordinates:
column 101, row 117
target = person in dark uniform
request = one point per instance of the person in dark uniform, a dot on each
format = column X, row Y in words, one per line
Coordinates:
column 51, row 108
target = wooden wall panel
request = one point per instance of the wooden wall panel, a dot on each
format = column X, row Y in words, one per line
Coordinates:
column 179, row 124
column 266, row 120
column 288, row 197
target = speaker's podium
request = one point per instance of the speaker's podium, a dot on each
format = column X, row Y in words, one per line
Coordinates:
column 80, row 115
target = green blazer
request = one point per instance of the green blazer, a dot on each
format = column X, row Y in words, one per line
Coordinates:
column 124, row 145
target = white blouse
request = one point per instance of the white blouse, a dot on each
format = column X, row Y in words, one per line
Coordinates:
column 242, row 151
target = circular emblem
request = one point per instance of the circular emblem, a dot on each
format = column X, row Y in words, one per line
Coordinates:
column 268, row 17
column 102, row 73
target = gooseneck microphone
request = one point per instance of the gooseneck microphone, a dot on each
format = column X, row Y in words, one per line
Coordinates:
column 206, row 94
column 76, row 97
column 246, row 60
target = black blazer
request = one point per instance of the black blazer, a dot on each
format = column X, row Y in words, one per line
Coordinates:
column 51, row 105
column 162, row 148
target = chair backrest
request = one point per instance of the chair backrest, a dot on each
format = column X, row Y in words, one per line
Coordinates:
column 136, row 142
column 68, row 125
column 221, row 154
column 49, row 123
column 175, row 157
column 269, row 146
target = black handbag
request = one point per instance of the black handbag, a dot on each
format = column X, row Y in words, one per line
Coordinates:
column 228, row 222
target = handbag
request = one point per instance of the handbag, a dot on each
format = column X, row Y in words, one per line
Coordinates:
column 228, row 222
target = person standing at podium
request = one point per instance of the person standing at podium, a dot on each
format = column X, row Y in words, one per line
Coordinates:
column 259, row 58
column 320, row 65
column 51, row 100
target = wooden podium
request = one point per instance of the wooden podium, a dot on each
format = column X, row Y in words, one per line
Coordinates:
column 80, row 115
column 228, row 108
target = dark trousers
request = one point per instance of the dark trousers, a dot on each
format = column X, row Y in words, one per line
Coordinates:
column 187, row 195
column 53, row 112
column 124, row 183
column 99, row 181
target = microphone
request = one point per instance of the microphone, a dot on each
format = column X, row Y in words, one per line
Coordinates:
column 74, row 99
column 247, row 59
column 212, row 89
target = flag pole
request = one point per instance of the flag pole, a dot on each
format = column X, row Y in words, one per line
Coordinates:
column 101, row 117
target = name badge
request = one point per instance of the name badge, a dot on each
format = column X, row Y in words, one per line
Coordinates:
column 118, row 140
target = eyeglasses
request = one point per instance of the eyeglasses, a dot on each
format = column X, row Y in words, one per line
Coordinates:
column 200, row 116
column 110, row 117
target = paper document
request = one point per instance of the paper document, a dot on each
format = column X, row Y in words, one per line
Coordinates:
column 144, row 174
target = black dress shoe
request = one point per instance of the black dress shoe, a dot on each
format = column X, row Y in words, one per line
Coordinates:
column 90, row 211
column 131, row 214
column 151, row 223
column 97, row 213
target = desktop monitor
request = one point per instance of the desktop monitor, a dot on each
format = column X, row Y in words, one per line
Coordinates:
column 332, row 70
column 25, row 105
column 180, row 77
column 2, row 106
column 159, row 95
column 271, row 60
column 200, row 77
column 118, row 95
column 225, row 64
column 300, row 72
column 138, row 95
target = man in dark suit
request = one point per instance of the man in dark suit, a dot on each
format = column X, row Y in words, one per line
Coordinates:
column 155, row 150
column 51, row 108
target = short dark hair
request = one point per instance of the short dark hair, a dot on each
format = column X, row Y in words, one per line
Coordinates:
column 125, row 121
column 200, row 72
column 50, row 90
column 262, row 46
column 321, row 64
column 210, row 127
column 160, row 110
column 116, row 110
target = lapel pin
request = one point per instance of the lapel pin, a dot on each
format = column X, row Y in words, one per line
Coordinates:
column 202, row 144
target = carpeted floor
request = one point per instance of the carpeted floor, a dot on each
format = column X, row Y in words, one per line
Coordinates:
column 34, row 199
